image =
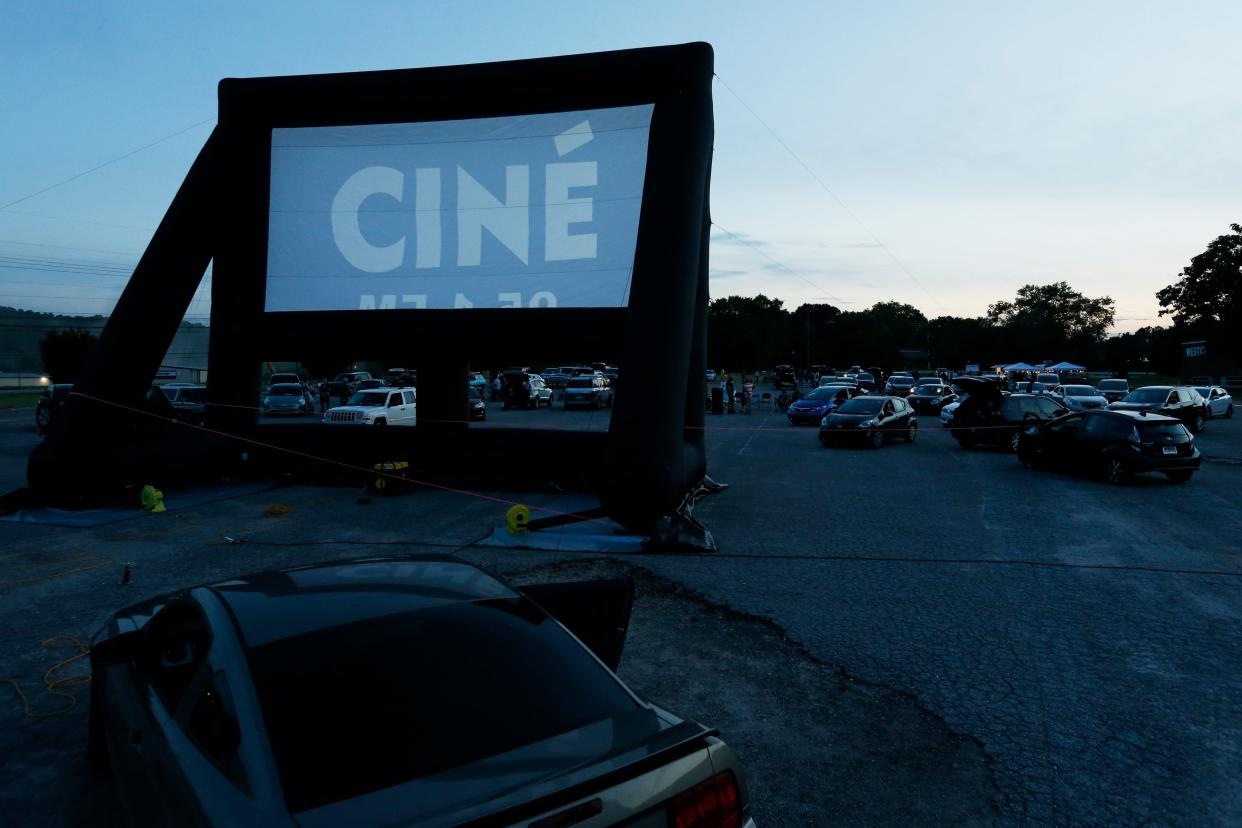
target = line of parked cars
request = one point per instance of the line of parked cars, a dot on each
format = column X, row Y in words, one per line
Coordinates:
column 1067, row 425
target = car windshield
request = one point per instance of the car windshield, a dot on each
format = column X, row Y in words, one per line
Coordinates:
column 822, row 393
column 866, row 377
column 581, row 382
column 1204, row 390
column 1114, row 385
column 862, row 405
column 932, row 390
column 1080, row 391
column 1148, row 395
column 432, row 690
column 901, row 381
column 285, row 391
column 369, row 399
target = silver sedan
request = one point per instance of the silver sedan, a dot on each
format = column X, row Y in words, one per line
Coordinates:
column 1219, row 401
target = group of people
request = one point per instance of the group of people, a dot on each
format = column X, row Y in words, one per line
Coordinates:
column 731, row 393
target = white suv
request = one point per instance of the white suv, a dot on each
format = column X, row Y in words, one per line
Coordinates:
column 378, row 406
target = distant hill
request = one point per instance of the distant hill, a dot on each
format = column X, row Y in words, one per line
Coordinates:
column 21, row 331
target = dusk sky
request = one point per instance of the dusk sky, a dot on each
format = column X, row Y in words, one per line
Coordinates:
column 956, row 151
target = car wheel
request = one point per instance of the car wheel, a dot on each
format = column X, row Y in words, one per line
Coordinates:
column 1229, row 412
column 1180, row 476
column 1116, row 471
column 381, row 422
column 823, row 441
column 1027, row 458
column 1196, row 425
column 966, row 440
column 877, row 438
column 1014, row 441
column 912, row 432
column 43, row 417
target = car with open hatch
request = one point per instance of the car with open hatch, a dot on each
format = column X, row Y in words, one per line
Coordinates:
column 1113, row 444
column 871, row 419
column 991, row 416
column 393, row 691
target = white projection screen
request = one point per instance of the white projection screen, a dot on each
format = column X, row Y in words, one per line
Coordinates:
column 530, row 211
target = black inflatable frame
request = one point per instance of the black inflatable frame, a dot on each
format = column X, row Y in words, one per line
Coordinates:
column 653, row 453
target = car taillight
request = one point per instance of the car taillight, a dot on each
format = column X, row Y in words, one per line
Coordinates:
column 711, row 804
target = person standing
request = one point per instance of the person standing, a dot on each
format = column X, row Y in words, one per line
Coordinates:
column 748, row 392
column 325, row 395
column 729, row 392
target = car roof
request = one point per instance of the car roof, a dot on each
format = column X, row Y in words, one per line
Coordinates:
column 269, row 606
column 1140, row 416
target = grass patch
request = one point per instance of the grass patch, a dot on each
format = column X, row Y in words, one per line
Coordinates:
column 21, row 400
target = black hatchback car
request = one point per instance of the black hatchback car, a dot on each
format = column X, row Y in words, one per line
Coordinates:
column 877, row 420
column 990, row 416
column 1114, row 444
column 393, row 691
column 1180, row 401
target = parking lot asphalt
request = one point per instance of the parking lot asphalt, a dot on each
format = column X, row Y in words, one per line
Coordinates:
column 1084, row 636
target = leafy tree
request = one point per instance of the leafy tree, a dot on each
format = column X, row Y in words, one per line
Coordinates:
column 65, row 353
column 1058, row 307
column 1210, row 287
column 745, row 333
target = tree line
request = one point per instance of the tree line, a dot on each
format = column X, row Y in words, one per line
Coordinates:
column 1042, row 322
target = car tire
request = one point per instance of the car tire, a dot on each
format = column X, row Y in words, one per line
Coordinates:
column 877, row 438
column 1028, row 459
column 823, row 441
column 966, row 440
column 381, row 422
column 43, row 417
column 1229, row 412
column 1197, row 423
column 1116, row 471
column 1180, row 476
column 912, row 432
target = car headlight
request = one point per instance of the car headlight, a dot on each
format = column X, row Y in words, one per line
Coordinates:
column 267, row 401
column 824, row 422
column 866, row 423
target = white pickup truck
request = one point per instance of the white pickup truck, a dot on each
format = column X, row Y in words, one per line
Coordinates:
column 378, row 406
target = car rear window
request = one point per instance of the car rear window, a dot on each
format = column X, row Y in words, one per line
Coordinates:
column 1152, row 430
column 364, row 706
column 1114, row 385
column 581, row 382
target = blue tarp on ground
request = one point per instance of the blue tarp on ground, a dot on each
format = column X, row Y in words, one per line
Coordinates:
column 173, row 500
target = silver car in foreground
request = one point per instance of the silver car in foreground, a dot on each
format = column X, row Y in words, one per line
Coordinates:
column 394, row 691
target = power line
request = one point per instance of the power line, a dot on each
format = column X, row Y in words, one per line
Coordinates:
column 77, row 220
column 97, row 167
column 67, row 247
column 901, row 266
